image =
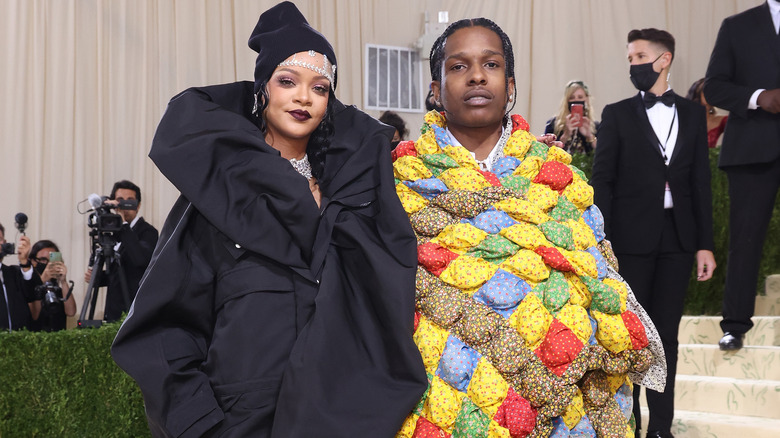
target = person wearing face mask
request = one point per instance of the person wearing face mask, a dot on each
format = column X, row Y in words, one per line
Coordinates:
column 51, row 314
column 577, row 131
column 651, row 180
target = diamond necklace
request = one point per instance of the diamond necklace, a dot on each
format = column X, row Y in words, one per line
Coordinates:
column 302, row 166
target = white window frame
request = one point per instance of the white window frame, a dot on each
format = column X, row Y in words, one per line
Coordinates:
column 415, row 105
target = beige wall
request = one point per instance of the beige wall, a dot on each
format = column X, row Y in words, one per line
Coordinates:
column 84, row 82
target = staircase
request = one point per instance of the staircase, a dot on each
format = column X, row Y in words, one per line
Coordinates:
column 729, row 394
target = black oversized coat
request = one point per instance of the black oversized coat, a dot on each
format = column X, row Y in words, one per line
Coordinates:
column 260, row 314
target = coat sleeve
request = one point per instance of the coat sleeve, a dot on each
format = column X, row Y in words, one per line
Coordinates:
column 701, row 185
column 355, row 370
column 605, row 163
column 720, row 88
column 164, row 339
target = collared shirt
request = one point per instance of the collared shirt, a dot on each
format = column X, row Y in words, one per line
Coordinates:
column 774, row 9
column 495, row 154
column 666, row 125
column 132, row 224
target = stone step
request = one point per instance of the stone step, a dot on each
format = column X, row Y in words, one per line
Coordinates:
column 688, row 424
column 772, row 284
column 756, row 363
column 724, row 395
column 769, row 304
column 706, row 330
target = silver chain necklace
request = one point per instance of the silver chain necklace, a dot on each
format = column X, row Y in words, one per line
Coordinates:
column 302, row 166
column 506, row 132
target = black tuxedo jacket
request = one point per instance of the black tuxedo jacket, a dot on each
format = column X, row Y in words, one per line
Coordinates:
column 136, row 251
column 629, row 177
column 746, row 57
column 19, row 292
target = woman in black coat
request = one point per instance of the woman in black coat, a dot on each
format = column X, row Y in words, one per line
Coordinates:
column 279, row 300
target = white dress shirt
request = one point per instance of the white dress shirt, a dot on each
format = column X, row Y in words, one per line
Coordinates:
column 666, row 125
column 487, row 164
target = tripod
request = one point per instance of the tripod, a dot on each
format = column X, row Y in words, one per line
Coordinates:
column 103, row 255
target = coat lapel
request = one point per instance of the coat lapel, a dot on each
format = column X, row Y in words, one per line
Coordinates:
column 682, row 120
column 644, row 123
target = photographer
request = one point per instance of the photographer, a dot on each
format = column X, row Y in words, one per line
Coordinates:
column 16, row 291
column 135, row 243
column 51, row 286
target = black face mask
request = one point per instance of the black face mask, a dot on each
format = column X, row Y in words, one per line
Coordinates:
column 40, row 267
column 643, row 76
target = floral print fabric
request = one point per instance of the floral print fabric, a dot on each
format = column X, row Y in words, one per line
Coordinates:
column 522, row 324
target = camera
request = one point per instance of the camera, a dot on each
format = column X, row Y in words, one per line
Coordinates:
column 9, row 248
column 49, row 293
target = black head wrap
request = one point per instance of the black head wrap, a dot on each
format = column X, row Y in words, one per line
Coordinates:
column 280, row 32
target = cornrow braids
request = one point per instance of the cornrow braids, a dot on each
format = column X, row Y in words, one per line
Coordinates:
column 320, row 139
column 437, row 51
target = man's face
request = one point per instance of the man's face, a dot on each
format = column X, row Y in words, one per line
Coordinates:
column 643, row 51
column 124, row 194
column 473, row 89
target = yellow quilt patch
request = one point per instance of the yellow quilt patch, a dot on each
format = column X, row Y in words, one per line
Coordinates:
column 443, row 404
column 467, row 272
column 410, row 168
column 542, row 196
column 487, row 388
column 460, row 237
column 431, row 340
column 522, row 210
column 531, row 320
column 526, row 235
column 411, row 200
column 576, row 318
column 611, row 332
column 528, row 265
column 461, row 178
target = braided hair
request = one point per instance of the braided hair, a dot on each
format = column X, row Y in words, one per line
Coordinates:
column 319, row 140
column 437, row 51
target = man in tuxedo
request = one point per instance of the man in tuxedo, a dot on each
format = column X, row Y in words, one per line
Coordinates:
column 136, row 242
column 743, row 77
column 16, row 291
column 651, row 180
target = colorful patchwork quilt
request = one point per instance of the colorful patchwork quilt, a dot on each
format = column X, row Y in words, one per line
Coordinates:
column 524, row 326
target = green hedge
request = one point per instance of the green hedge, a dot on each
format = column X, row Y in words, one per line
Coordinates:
column 64, row 384
column 704, row 298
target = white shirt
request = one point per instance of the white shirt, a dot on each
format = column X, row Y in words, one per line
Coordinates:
column 132, row 224
column 495, row 154
column 774, row 11
column 666, row 125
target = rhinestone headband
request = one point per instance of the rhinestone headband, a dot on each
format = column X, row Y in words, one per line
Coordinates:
column 328, row 70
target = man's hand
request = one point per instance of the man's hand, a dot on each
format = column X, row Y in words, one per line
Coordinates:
column 769, row 100
column 88, row 275
column 549, row 140
column 705, row 265
column 23, row 250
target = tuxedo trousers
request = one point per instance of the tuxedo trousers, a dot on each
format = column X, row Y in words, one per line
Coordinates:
column 752, row 194
column 659, row 281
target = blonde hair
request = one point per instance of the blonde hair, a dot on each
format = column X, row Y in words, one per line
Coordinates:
column 560, row 119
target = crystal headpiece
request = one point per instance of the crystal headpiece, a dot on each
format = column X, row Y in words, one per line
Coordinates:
column 328, row 70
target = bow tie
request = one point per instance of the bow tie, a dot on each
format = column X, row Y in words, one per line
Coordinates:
column 651, row 99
